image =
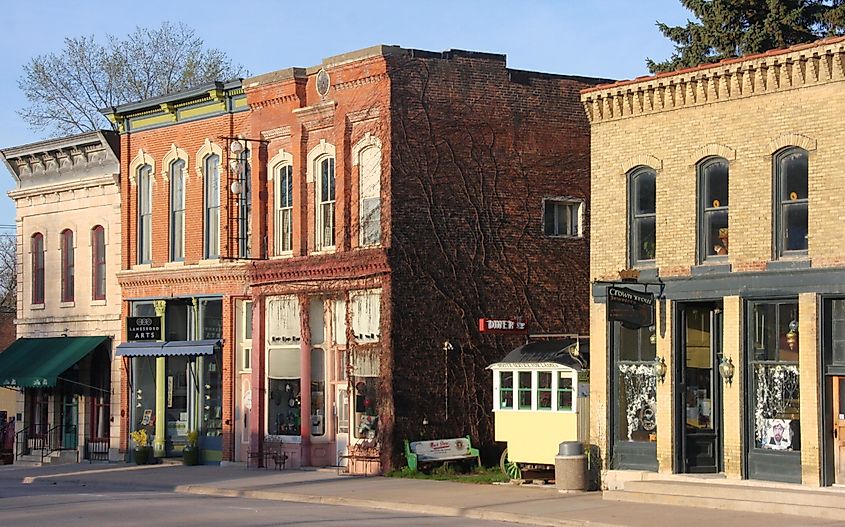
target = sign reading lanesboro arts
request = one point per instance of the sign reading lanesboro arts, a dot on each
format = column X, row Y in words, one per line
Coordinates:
column 489, row 325
column 632, row 308
column 143, row 328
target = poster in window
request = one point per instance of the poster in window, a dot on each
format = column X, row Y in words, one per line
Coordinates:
column 777, row 434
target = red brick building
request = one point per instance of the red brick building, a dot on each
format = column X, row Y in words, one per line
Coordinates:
column 369, row 211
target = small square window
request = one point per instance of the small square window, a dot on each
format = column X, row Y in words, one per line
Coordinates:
column 562, row 218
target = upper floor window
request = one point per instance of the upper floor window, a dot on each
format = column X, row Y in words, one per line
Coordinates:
column 284, row 209
column 713, row 208
column 177, row 210
column 791, row 201
column 325, row 204
column 37, row 249
column 562, row 217
column 98, row 263
column 67, row 265
column 211, row 169
column 244, row 198
column 370, row 189
column 642, row 216
column 145, row 213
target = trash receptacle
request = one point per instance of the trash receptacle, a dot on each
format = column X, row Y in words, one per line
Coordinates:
column 571, row 466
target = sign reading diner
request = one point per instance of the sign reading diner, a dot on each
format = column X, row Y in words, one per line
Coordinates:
column 143, row 328
column 489, row 325
column 632, row 308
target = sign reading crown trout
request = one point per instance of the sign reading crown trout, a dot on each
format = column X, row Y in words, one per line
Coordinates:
column 632, row 308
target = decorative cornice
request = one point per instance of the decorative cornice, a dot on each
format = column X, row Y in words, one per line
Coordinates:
column 274, row 101
column 783, row 70
column 359, row 82
column 349, row 265
column 189, row 274
column 79, row 184
column 276, row 133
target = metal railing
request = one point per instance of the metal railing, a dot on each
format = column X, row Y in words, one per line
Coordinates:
column 37, row 438
column 55, row 441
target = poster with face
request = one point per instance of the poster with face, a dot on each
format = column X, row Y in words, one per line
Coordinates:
column 777, row 434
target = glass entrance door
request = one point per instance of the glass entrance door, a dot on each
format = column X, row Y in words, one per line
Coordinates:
column 180, row 390
column 342, row 417
column 700, row 389
column 70, row 421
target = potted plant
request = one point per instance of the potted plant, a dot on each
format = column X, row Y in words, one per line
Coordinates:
column 142, row 446
column 191, row 453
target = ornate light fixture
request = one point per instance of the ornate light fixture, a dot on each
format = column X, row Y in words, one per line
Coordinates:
column 659, row 368
column 792, row 334
column 726, row 369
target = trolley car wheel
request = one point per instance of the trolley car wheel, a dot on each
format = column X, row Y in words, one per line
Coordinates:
column 509, row 468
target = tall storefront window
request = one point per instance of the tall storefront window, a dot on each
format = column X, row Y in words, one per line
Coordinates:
column 773, row 367
column 284, row 384
column 318, row 392
column 636, row 385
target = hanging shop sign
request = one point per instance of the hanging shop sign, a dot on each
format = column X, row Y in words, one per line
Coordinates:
column 489, row 325
column 633, row 308
column 143, row 328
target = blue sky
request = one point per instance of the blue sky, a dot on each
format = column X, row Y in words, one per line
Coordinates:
column 602, row 38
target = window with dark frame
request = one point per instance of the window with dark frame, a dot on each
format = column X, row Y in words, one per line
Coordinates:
column 145, row 214
column 67, row 265
column 506, row 390
column 326, row 206
column 642, row 216
column 713, row 209
column 177, row 211
column 791, row 201
column 562, row 217
column 564, row 392
column 524, row 390
column 544, row 390
column 37, row 248
column 211, row 185
column 98, row 263
column 369, row 167
column 284, row 209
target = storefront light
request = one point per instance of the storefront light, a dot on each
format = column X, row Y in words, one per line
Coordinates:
column 792, row 334
column 726, row 369
column 660, row 369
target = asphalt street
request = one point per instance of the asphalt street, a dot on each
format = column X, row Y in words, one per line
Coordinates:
column 76, row 505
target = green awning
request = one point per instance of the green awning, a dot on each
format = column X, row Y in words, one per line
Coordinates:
column 37, row 363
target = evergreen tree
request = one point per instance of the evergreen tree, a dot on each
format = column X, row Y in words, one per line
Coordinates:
column 732, row 28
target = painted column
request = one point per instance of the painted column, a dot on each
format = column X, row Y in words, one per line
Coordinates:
column 161, row 396
column 259, row 378
column 811, row 401
column 599, row 384
column 666, row 443
column 305, row 382
column 732, row 396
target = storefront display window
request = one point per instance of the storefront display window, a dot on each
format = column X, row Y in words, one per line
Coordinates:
column 636, row 385
column 283, row 391
column 211, row 316
column 318, row 392
column 212, row 393
column 365, row 367
column 775, row 376
column 144, row 390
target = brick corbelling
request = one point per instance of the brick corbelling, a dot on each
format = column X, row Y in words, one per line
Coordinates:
column 184, row 276
column 338, row 266
column 820, row 63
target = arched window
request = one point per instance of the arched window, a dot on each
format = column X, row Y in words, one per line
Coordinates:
column 98, row 263
column 712, row 209
column 177, row 210
column 67, row 265
column 325, row 203
column 284, row 209
column 370, row 203
column 37, row 249
column 211, row 168
column 791, row 202
column 145, row 213
column 641, row 216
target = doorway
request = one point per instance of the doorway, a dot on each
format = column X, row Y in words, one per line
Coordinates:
column 699, row 391
column 342, row 420
column 70, row 421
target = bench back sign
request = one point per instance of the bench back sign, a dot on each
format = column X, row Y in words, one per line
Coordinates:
column 441, row 449
column 143, row 328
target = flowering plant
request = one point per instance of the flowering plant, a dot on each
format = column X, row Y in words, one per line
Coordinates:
column 140, row 437
column 193, row 436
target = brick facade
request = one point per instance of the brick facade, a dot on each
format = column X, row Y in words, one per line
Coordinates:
column 744, row 111
column 468, row 151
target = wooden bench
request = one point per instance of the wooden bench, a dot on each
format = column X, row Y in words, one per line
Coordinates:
column 271, row 455
column 437, row 450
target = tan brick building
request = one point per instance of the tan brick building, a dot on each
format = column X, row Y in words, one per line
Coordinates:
column 67, row 200
column 722, row 186
column 371, row 209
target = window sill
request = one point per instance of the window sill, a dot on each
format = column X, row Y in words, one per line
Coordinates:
column 245, row 370
column 710, row 268
column 142, row 267
column 101, row 302
column 282, row 256
column 67, row 304
column 295, row 440
column 564, row 236
column 174, row 264
column 209, row 261
column 324, row 250
column 36, row 307
column 788, row 263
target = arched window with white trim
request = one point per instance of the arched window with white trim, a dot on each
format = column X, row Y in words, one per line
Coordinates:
column 325, row 203
column 177, row 210
column 370, row 196
column 284, row 209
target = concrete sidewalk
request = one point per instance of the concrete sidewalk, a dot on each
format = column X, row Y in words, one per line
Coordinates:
column 518, row 504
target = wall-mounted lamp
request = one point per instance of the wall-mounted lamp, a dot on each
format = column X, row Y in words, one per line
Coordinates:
column 792, row 334
column 726, row 369
column 236, row 147
column 660, row 369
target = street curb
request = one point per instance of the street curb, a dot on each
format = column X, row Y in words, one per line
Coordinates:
column 28, row 480
column 432, row 510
